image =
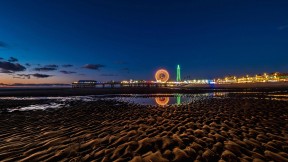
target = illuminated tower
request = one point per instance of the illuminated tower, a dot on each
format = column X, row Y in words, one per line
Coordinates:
column 178, row 79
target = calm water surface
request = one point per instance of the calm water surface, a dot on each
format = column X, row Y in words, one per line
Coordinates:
column 149, row 99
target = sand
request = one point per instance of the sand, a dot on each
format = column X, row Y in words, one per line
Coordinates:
column 219, row 129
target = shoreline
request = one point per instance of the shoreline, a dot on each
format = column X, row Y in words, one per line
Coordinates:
column 61, row 92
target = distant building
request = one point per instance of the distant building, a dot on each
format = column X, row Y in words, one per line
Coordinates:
column 84, row 84
column 283, row 76
column 271, row 77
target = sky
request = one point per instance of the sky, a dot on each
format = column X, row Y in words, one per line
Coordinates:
column 60, row 41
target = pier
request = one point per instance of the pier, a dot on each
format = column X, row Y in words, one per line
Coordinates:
column 94, row 84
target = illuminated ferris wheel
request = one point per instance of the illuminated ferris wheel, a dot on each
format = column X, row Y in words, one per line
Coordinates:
column 162, row 75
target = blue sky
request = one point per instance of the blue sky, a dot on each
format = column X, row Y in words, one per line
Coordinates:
column 116, row 40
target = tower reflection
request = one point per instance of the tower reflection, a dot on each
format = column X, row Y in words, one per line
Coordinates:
column 162, row 101
column 178, row 97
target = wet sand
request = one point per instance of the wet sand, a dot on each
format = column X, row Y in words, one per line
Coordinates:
column 218, row 129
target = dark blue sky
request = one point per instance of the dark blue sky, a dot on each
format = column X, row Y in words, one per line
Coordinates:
column 132, row 39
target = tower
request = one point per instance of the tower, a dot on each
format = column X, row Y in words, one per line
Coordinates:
column 178, row 79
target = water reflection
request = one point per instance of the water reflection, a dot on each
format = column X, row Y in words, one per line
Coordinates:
column 162, row 101
column 178, row 97
column 219, row 94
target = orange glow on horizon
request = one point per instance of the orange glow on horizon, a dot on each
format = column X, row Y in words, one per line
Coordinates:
column 51, row 80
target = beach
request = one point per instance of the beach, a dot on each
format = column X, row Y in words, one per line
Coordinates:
column 143, row 81
column 238, row 128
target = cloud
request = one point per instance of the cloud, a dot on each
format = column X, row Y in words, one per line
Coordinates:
column 13, row 59
column 47, row 68
column 67, row 65
column 27, row 65
column 67, row 72
column 283, row 27
column 109, row 75
column 22, row 76
column 93, row 66
column 1, row 58
column 3, row 44
column 37, row 75
column 5, row 71
column 28, row 76
column 13, row 67
column 16, row 77
column 52, row 66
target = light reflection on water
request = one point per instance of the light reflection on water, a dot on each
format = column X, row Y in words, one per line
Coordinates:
column 56, row 102
column 148, row 99
column 168, row 99
column 52, row 105
column 70, row 98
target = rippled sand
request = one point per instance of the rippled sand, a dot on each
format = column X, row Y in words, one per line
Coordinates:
column 209, row 130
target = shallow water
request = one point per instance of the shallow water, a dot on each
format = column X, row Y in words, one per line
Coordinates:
column 146, row 99
column 149, row 99
column 166, row 99
column 38, row 107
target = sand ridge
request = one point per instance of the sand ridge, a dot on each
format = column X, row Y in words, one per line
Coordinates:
column 207, row 130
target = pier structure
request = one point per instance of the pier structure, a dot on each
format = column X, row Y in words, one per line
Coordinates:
column 122, row 84
column 84, row 84
column 161, row 77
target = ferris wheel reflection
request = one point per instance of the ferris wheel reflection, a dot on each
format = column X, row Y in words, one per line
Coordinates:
column 162, row 101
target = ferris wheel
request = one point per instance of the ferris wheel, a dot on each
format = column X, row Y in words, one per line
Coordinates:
column 162, row 75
